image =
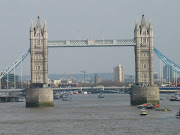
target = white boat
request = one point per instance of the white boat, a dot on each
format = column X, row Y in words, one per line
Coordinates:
column 56, row 96
column 176, row 97
column 66, row 97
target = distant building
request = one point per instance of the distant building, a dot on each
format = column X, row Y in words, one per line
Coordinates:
column 156, row 75
column 167, row 73
column 97, row 79
column 118, row 73
column 9, row 80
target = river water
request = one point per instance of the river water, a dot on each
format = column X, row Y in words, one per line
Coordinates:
column 89, row 115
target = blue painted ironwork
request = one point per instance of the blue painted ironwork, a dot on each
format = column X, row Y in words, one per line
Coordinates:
column 88, row 43
column 167, row 61
column 14, row 65
column 91, row 43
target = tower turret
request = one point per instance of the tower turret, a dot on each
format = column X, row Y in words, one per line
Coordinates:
column 32, row 27
column 150, row 29
column 136, row 29
column 45, row 35
column 31, row 30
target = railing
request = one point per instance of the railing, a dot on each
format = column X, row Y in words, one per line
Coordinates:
column 71, row 88
column 90, row 88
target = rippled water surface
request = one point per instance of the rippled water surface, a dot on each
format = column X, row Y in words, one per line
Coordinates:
column 89, row 115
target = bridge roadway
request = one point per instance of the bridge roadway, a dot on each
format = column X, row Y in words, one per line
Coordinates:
column 108, row 89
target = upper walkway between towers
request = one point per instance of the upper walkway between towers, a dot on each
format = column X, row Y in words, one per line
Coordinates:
column 91, row 43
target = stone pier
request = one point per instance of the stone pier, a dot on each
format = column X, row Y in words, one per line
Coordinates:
column 39, row 97
column 140, row 95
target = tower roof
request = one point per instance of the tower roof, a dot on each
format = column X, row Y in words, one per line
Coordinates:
column 143, row 21
column 38, row 25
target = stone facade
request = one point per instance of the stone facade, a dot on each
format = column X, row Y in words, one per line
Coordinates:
column 143, row 36
column 39, row 97
column 144, row 90
column 140, row 95
column 39, row 54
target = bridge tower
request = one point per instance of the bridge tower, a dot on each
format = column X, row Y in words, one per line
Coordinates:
column 39, row 54
column 39, row 94
column 144, row 90
column 143, row 36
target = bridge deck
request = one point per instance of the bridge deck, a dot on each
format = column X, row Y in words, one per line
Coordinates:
column 89, row 88
column 91, row 43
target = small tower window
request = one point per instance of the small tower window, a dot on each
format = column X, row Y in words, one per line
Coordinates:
column 145, row 65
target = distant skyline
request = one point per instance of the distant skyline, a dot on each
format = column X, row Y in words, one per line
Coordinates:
column 83, row 19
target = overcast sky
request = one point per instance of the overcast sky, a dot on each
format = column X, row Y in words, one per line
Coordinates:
column 82, row 19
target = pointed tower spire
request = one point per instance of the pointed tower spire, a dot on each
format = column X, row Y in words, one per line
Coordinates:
column 32, row 27
column 137, row 22
column 143, row 21
column 38, row 25
column 45, row 23
column 45, row 27
column 136, row 25
column 150, row 24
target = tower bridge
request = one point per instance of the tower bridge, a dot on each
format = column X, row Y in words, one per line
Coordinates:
column 142, row 43
column 143, row 90
column 143, row 47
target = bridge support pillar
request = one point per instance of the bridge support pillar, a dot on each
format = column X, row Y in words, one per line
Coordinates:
column 39, row 97
column 140, row 95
